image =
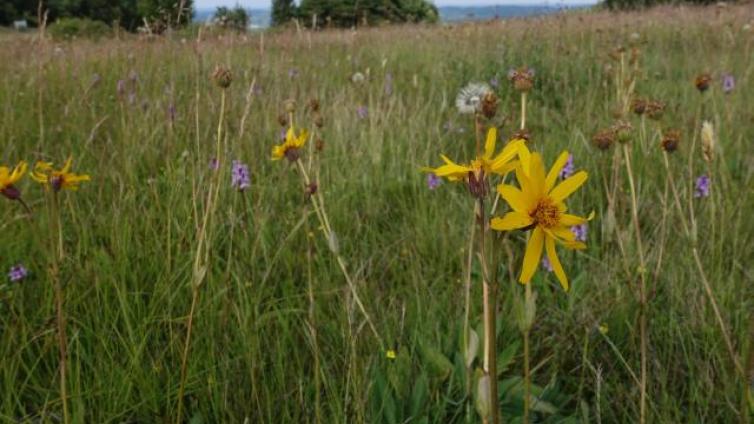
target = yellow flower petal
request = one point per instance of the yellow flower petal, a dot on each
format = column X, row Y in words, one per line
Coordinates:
column 562, row 234
column 569, row 220
column 505, row 156
column 511, row 221
column 514, row 197
column 489, row 144
column 557, row 268
column 537, row 175
column 568, row 186
column 532, row 255
column 552, row 176
column 67, row 167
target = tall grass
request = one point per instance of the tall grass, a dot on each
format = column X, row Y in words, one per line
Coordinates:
column 131, row 234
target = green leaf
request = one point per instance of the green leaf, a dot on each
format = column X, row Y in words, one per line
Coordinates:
column 419, row 395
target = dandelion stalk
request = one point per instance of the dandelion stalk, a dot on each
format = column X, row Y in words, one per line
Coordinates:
column 523, row 110
column 488, row 297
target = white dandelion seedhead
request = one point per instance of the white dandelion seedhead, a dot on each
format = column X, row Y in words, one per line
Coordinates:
column 470, row 97
column 357, row 78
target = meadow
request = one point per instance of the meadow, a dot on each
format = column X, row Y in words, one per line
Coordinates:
column 364, row 318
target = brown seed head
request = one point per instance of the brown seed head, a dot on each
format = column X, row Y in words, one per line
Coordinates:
column 702, row 82
column 222, row 76
column 314, row 105
column 290, row 106
column 283, row 120
column 522, row 78
column 604, row 139
column 639, row 106
column 670, row 140
column 489, row 105
column 655, row 109
column 523, row 134
column 622, row 131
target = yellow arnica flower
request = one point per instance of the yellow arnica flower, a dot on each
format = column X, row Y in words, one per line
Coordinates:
column 390, row 354
column 8, row 178
column 45, row 174
column 488, row 163
column 290, row 146
column 539, row 204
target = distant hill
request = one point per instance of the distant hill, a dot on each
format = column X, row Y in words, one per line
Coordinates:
column 260, row 18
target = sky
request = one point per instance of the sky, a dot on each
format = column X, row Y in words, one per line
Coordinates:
column 265, row 4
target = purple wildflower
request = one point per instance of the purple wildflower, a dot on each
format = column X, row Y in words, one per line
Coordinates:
column 214, row 164
column 567, row 170
column 702, row 186
column 579, row 231
column 546, row 264
column 433, row 181
column 729, row 83
column 17, row 273
column 240, row 176
column 363, row 112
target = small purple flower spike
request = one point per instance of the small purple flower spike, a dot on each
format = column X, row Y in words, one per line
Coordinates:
column 546, row 264
column 433, row 181
column 567, row 170
column 363, row 112
column 240, row 176
column 17, row 273
column 214, row 164
column 580, row 231
column 729, row 83
column 702, row 186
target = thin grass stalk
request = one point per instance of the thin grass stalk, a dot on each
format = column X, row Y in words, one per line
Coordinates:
column 643, row 307
column 201, row 259
column 527, row 369
column 316, row 200
column 56, row 250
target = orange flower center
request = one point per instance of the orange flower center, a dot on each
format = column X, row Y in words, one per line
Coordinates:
column 546, row 213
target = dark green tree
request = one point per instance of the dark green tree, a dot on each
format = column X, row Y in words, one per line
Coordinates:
column 236, row 18
column 283, row 11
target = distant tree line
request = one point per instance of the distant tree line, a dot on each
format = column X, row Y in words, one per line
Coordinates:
column 128, row 14
column 349, row 13
column 637, row 4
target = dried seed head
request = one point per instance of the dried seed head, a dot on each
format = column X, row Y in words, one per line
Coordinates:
column 670, row 140
column 617, row 52
column 314, row 105
column 708, row 142
column 292, row 154
column 522, row 78
column 319, row 121
column 655, row 109
column 639, row 106
column 489, row 105
column 222, row 76
column 623, row 131
column 319, row 145
column 290, row 106
column 11, row 192
column 702, row 82
column 604, row 139
column 477, row 184
column 283, row 120
column 522, row 134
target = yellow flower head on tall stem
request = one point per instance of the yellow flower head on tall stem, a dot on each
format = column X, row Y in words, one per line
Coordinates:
column 540, row 205
column 487, row 163
column 45, row 174
column 291, row 145
column 8, row 178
